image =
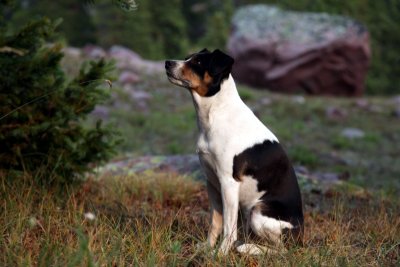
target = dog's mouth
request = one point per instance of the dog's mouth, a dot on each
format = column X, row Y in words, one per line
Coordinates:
column 177, row 81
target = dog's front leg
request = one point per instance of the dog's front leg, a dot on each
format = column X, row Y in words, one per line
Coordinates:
column 216, row 214
column 230, row 203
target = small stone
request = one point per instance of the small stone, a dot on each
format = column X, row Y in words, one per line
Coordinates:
column 89, row 216
column 140, row 95
column 33, row 222
column 376, row 109
column 396, row 112
column 301, row 169
column 266, row 101
column 396, row 100
column 122, row 53
column 101, row 112
column 95, row 52
column 335, row 113
column 362, row 103
column 352, row 133
column 328, row 177
column 299, row 99
column 128, row 77
column 72, row 52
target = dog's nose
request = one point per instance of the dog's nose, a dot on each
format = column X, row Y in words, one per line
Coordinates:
column 168, row 64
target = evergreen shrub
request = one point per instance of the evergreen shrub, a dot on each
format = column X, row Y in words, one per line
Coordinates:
column 41, row 111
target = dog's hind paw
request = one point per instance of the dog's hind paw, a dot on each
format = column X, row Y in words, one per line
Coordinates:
column 250, row 249
column 253, row 249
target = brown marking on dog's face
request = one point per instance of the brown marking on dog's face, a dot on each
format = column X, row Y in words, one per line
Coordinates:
column 188, row 74
column 193, row 75
column 200, row 85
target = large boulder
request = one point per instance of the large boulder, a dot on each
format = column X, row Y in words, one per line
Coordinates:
column 129, row 60
column 290, row 51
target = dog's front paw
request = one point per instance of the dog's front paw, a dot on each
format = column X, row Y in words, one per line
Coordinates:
column 224, row 249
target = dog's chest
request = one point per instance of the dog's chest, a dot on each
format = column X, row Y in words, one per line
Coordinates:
column 208, row 151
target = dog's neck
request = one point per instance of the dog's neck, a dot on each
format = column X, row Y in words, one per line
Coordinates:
column 207, row 107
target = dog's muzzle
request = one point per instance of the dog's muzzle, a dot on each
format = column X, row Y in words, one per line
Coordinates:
column 170, row 68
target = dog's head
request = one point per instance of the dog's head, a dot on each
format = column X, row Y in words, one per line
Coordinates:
column 201, row 72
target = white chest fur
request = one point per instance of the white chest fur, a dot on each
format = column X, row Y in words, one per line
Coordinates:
column 227, row 127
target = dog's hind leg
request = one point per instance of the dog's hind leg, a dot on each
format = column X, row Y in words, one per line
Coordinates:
column 265, row 228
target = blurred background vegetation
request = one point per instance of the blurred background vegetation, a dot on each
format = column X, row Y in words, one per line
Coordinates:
column 164, row 29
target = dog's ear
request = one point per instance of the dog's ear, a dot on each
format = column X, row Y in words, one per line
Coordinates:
column 205, row 50
column 220, row 63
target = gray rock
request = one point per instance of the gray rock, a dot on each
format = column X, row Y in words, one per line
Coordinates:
column 72, row 52
column 181, row 164
column 263, row 22
column 396, row 100
column 140, row 95
column 301, row 169
column 329, row 177
column 352, row 133
column 265, row 101
column 396, row 112
column 362, row 103
column 95, row 52
column 286, row 51
column 376, row 109
column 129, row 60
column 335, row 113
column 128, row 77
column 101, row 112
column 299, row 99
column 122, row 53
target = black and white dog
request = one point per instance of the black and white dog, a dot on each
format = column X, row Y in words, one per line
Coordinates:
column 244, row 163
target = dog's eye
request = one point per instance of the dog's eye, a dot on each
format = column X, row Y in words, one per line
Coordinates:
column 196, row 61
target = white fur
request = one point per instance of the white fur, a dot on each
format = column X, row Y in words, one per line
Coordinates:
column 267, row 227
column 249, row 195
column 253, row 249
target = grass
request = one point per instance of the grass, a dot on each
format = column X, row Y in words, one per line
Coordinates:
column 157, row 220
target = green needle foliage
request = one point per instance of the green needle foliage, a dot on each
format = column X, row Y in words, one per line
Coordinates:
column 41, row 133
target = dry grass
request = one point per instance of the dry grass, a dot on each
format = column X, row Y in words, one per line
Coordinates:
column 157, row 220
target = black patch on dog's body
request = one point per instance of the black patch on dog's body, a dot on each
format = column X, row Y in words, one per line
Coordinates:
column 269, row 165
